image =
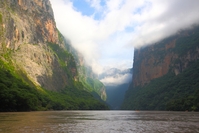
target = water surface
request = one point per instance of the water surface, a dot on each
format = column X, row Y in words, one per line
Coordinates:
column 99, row 122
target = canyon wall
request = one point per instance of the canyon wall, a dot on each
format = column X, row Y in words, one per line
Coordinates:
column 172, row 54
column 165, row 74
column 30, row 41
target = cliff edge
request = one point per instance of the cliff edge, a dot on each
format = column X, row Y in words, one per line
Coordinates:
column 165, row 74
column 38, row 71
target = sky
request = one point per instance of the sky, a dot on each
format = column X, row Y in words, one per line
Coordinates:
column 106, row 32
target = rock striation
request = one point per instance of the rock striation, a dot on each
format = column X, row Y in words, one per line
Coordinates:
column 171, row 54
column 26, row 29
column 165, row 74
column 38, row 69
column 28, row 35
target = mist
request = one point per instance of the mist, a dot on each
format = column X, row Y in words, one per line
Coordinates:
column 106, row 32
column 116, row 79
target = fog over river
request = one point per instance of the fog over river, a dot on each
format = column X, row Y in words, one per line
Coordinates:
column 99, row 122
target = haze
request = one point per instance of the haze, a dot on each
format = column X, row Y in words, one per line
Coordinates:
column 107, row 31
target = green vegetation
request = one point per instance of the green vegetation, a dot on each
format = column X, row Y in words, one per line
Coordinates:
column 85, row 73
column 68, row 63
column 187, row 43
column 170, row 92
column 1, row 19
column 97, row 86
column 94, row 83
column 63, row 55
column 91, row 84
column 1, row 26
column 61, row 38
column 17, row 95
column 66, row 59
column 115, row 95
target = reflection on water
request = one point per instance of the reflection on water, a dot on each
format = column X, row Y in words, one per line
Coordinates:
column 99, row 122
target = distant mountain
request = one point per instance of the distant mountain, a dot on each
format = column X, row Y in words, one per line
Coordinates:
column 115, row 95
column 86, row 75
column 113, row 72
column 116, row 82
column 114, row 76
column 165, row 74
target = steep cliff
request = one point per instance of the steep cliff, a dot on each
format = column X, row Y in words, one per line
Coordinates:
column 159, row 70
column 172, row 54
column 34, row 52
column 86, row 74
column 26, row 29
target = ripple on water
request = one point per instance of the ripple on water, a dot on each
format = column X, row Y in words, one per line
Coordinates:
column 99, row 122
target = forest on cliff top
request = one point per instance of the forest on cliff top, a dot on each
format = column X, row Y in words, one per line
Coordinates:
column 177, row 92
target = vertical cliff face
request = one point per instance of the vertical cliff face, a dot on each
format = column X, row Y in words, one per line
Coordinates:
column 28, row 35
column 26, row 29
column 173, row 54
column 87, row 76
column 30, row 22
column 165, row 75
column 37, row 70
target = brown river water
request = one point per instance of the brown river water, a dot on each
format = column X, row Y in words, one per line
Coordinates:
column 99, row 122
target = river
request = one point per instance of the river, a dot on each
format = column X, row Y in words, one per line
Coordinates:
column 99, row 122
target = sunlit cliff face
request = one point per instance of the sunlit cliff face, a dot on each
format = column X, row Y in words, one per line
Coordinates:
column 106, row 32
column 30, row 22
column 27, row 28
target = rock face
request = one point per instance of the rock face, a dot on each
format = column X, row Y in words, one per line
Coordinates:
column 26, row 29
column 28, row 22
column 28, row 35
column 165, row 75
column 37, row 69
column 172, row 54
column 86, row 74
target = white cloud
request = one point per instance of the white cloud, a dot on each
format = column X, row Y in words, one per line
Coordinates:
column 95, row 4
column 164, row 19
column 123, row 23
column 117, row 79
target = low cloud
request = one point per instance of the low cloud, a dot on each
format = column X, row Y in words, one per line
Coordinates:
column 109, row 35
column 116, row 79
column 115, row 76
column 163, row 19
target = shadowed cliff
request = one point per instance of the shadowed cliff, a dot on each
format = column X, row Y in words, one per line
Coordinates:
column 165, row 74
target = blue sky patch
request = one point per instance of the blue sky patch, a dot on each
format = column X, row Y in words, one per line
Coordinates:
column 87, row 10
column 83, row 7
column 129, row 29
column 103, row 2
column 140, row 9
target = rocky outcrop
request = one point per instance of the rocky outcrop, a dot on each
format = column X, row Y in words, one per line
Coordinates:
column 26, row 28
column 35, row 58
column 30, row 22
column 86, row 74
column 165, row 75
column 27, row 35
column 172, row 54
